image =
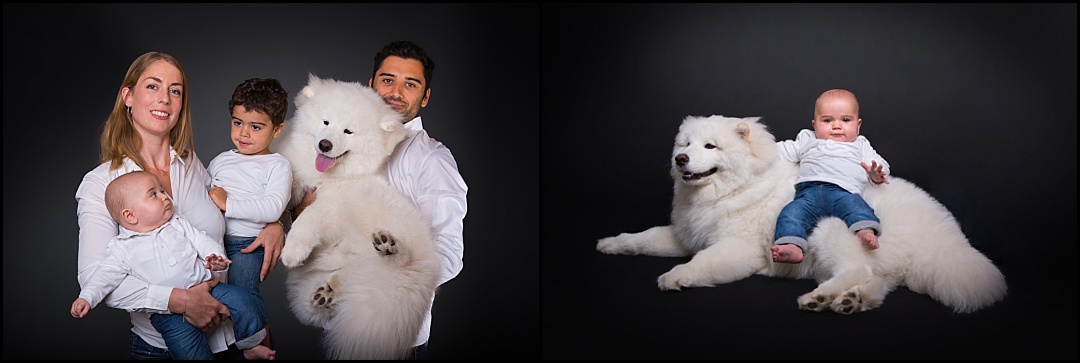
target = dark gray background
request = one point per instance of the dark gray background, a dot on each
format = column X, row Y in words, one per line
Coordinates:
column 974, row 103
column 63, row 65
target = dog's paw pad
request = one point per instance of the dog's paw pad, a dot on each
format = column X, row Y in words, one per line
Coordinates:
column 384, row 242
column 814, row 302
column 850, row 302
column 324, row 296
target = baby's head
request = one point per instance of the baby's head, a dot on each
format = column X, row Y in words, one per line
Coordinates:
column 836, row 116
column 138, row 202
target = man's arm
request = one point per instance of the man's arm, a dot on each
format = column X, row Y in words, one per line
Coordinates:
column 440, row 194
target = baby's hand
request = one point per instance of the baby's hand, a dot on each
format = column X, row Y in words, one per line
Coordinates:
column 80, row 307
column 877, row 175
column 217, row 263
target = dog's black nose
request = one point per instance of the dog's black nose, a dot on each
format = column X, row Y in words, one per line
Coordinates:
column 680, row 159
column 325, row 145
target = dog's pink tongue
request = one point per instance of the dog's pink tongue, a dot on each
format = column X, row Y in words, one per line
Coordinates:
column 323, row 162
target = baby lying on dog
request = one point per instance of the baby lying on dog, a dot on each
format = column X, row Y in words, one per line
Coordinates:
column 832, row 161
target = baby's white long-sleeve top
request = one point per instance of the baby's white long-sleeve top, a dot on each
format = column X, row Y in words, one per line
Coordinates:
column 831, row 161
column 173, row 254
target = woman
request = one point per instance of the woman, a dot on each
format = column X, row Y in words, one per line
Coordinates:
column 149, row 129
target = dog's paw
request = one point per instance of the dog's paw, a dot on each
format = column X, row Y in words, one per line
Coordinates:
column 814, row 301
column 384, row 242
column 849, row 302
column 668, row 283
column 294, row 253
column 674, row 280
column 324, row 296
column 614, row 246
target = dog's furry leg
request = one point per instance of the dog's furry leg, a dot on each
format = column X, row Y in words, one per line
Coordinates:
column 658, row 241
column 324, row 295
column 862, row 297
column 844, row 284
column 723, row 262
column 312, row 295
column 306, row 233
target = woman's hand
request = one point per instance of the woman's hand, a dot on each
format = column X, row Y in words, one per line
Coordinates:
column 272, row 239
column 200, row 309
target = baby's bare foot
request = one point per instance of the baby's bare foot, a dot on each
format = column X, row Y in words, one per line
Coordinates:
column 868, row 238
column 787, row 253
column 260, row 352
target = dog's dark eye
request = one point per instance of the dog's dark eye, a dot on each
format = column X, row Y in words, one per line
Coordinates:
column 710, row 146
column 325, row 122
column 348, row 132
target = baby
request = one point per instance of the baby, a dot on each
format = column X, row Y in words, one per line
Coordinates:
column 835, row 164
column 160, row 248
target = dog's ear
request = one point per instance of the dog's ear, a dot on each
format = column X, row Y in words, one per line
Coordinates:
column 763, row 143
column 388, row 124
column 308, row 91
column 395, row 131
column 744, row 130
column 391, row 120
column 304, row 95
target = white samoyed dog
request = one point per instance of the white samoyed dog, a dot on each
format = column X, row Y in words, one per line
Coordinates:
column 361, row 258
column 730, row 185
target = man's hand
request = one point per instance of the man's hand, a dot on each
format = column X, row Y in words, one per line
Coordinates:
column 309, row 197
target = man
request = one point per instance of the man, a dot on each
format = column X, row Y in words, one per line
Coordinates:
column 421, row 168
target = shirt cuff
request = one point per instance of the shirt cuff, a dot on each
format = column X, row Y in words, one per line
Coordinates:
column 158, row 299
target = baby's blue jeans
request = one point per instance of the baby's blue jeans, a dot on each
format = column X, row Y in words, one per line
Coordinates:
column 816, row 200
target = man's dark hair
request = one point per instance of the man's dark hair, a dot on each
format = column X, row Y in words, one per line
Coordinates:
column 408, row 50
column 263, row 95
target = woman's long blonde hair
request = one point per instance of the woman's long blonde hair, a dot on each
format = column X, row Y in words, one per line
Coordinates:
column 119, row 139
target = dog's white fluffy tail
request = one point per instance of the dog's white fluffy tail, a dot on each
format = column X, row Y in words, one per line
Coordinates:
column 946, row 267
column 960, row 276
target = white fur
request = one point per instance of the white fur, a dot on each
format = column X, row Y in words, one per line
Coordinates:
column 378, row 301
column 726, row 220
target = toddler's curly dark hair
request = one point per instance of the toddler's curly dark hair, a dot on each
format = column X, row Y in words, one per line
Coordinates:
column 263, row 95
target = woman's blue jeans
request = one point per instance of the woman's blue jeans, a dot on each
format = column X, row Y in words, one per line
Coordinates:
column 141, row 350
